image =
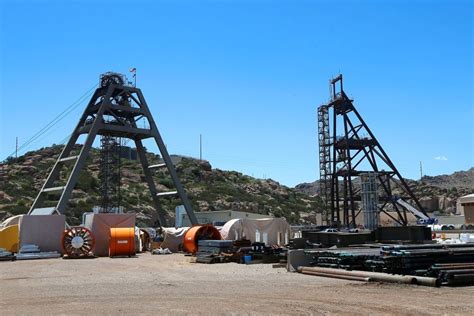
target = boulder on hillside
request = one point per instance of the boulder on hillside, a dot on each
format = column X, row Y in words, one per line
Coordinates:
column 205, row 165
column 445, row 203
column 5, row 197
column 429, row 203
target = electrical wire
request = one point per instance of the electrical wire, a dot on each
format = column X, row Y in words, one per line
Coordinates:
column 56, row 120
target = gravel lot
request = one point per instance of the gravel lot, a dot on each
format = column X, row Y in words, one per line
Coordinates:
column 171, row 284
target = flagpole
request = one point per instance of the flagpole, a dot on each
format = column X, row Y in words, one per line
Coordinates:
column 134, row 74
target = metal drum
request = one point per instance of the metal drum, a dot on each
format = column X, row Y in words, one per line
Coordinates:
column 196, row 233
column 122, row 242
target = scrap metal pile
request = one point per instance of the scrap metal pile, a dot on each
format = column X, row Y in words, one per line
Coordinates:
column 215, row 251
column 240, row 251
column 450, row 264
column 6, row 255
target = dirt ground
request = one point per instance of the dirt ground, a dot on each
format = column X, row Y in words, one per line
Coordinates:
column 171, row 284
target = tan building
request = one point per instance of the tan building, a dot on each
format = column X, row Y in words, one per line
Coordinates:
column 217, row 218
column 467, row 208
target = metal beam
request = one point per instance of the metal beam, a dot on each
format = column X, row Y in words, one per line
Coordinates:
column 113, row 100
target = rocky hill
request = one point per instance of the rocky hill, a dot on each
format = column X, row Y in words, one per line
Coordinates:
column 209, row 189
column 460, row 179
column 436, row 194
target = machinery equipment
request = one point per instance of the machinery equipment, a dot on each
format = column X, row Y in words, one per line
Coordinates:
column 122, row 241
column 423, row 219
column 199, row 232
column 78, row 242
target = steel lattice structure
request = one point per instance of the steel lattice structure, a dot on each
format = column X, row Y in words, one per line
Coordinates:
column 348, row 149
column 109, row 173
column 113, row 111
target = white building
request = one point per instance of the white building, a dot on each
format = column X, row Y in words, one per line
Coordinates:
column 216, row 218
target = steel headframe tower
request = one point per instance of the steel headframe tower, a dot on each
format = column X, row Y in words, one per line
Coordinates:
column 347, row 150
column 114, row 110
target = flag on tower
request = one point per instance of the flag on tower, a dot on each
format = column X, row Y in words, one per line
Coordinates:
column 133, row 71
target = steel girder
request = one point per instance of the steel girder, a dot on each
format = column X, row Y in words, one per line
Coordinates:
column 123, row 106
column 353, row 150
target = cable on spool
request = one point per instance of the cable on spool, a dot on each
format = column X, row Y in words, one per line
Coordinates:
column 78, row 242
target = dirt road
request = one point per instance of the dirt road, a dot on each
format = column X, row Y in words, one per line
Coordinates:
column 170, row 284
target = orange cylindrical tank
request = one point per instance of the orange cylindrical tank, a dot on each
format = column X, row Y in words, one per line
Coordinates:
column 199, row 232
column 122, row 241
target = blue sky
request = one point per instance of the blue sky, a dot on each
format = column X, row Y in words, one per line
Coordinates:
column 249, row 75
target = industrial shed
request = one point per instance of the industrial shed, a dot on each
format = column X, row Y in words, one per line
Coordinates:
column 467, row 207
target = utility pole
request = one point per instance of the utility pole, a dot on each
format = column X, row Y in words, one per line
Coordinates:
column 16, row 148
column 200, row 146
column 421, row 171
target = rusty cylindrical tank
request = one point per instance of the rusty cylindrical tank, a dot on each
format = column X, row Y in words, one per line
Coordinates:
column 199, row 232
column 122, row 241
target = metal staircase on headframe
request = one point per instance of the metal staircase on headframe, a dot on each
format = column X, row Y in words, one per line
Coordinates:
column 114, row 110
column 347, row 150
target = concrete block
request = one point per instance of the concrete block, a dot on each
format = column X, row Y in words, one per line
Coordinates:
column 297, row 258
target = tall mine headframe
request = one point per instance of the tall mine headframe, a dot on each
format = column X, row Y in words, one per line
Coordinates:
column 348, row 150
column 114, row 111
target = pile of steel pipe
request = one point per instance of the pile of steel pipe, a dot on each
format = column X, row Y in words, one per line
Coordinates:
column 369, row 276
column 454, row 273
column 344, row 258
column 451, row 264
column 411, row 258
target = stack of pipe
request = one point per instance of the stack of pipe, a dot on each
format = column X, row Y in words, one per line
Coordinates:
column 345, row 258
column 453, row 273
column 412, row 258
column 366, row 276
column 451, row 264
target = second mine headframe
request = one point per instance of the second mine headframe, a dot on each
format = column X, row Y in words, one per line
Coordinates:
column 356, row 174
column 113, row 112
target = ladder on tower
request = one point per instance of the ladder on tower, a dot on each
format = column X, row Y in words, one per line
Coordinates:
column 324, row 161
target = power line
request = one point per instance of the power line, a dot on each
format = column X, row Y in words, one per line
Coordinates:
column 56, row 120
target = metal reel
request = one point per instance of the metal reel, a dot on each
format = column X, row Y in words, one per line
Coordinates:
column 78, row 242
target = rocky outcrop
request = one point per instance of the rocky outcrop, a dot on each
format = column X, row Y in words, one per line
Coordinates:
column 430, row 203
column 208, row 189
column 460, row 179
column 436, row 194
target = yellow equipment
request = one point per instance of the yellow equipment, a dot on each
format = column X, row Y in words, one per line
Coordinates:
column 10, row 238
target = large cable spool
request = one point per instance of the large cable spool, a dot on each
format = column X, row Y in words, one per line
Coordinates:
column 199, row 232
column 122, row 241
column 78, row 242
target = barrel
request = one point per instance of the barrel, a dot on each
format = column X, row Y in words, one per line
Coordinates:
column 199, row 232
column 122, row 241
